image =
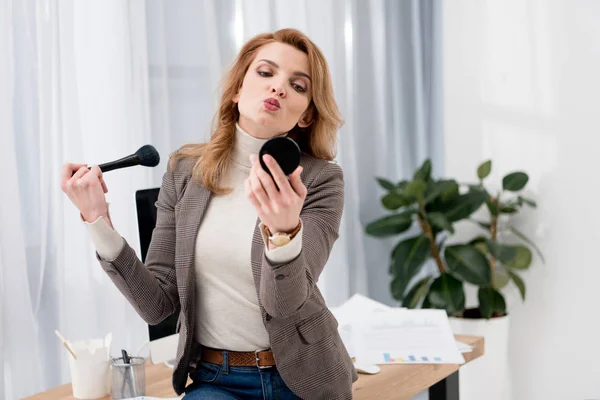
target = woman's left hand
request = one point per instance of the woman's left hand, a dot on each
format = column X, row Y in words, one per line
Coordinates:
column 278, row 210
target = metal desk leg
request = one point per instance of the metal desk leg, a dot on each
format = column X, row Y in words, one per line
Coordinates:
column 446, row 389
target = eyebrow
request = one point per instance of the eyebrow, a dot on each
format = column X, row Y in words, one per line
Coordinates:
column 296, row 73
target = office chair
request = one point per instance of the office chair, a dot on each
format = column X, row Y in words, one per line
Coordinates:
column 163, row 347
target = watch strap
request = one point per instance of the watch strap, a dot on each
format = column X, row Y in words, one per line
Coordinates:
column 289, row 235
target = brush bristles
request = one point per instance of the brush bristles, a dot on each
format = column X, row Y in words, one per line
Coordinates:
column 148, row 156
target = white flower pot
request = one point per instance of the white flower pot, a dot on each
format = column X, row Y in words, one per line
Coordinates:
column 487, row 377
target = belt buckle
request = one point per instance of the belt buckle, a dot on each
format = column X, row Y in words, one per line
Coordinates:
column 258, row 359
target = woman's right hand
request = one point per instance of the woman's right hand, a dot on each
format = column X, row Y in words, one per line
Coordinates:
column 86, row 189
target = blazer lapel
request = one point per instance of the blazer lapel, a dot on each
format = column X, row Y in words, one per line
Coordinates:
column 256, row 254
column 189, row 212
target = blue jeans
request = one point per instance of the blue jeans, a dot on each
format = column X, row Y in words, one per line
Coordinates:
column 223, row 382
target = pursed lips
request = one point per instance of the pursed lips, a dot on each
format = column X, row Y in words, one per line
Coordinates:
column 272, row 104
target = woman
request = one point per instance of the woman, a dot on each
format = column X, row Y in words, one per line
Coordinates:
column 239, row 256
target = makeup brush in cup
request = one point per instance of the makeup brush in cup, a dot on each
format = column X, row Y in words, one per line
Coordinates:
column 65, row 343
column 128, row 371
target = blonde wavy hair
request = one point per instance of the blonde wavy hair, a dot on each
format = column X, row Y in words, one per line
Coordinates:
column 318, row 139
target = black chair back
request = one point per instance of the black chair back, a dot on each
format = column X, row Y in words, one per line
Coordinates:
column 145, row 201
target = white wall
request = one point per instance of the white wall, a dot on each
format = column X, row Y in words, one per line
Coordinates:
column 522, row 87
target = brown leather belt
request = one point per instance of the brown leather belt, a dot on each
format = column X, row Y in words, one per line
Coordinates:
column 258, row 358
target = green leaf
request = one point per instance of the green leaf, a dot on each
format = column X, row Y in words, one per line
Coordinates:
column 468, row 264
column 402, row 243
column 416, row 293
column 435, row 189
column 499, row 279
column 415, row 188
column 450, row 192
column 397, row 287
column 479, row 244
column 464, row 205
column 509, row 207
column 515, row 181
column 447, row 292
column 524, row 238
column 409, row 256
column 527, row 201
column 439, row 220
column 440, row 195
column 482, row 248
column 501, row 252
column 394, row 200
column 484, row 169
column 483, row 225
column 384, row 183
column 427, row 303
column 424, row 172
column 491, row 302
column 522, row 258
column 493, row 207
column 518, row 281
column 391, row 224
column 478, row 239
column 401, row 185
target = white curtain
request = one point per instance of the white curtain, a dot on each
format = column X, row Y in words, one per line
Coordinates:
column 76, row 90
column 385, row 60
column 92, row 81
column 18, row 329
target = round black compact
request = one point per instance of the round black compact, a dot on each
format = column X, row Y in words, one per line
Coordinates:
column 284, row 150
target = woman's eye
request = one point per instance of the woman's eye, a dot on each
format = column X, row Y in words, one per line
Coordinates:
column 264, row 74
column 298, row 88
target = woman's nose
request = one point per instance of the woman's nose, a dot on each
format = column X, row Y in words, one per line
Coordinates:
column 278, row 89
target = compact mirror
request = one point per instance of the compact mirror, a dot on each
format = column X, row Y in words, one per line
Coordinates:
column 284, row 150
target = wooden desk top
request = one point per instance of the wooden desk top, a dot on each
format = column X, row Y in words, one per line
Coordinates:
column 396, row 382
column 403, row 381
column 158, row 384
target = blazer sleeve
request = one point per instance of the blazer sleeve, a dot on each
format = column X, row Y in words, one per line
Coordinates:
column 285, row 287
column 151, row 288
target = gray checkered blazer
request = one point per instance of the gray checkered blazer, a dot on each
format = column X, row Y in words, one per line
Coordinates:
column 309, row 353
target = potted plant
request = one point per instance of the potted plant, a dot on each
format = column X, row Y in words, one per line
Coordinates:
column 490, row 261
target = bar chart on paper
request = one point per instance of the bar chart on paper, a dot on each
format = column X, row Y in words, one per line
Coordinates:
column 410, row 358
column 401, row 336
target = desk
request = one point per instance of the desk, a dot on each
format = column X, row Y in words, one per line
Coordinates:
column 402, row 381
column 396, row 382
column 158, row 384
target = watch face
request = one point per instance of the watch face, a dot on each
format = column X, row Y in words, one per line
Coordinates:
column 280, row 240
column 284, row 150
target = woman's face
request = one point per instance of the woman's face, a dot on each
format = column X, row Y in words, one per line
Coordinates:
column 276, row 91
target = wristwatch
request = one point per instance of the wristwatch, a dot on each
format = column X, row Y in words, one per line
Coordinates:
column 279, row 239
